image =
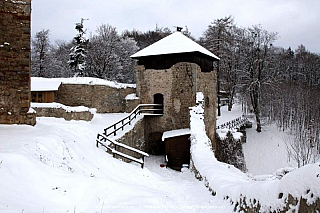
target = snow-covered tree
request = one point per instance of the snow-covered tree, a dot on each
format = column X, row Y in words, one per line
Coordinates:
column 222, row 38
column 109, row 55
column 77, row 59
column 59, row 56
column 127, row 48
column 149, row 37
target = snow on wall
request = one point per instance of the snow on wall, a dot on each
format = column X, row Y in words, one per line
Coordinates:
column 242, row 189
column 61, row 111
column 66, row 108
column 132, row 96
column 80, row 80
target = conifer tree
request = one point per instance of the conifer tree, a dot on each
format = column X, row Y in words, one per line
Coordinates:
column 78, row 51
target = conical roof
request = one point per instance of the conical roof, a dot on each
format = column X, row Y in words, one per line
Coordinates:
column 174, row 43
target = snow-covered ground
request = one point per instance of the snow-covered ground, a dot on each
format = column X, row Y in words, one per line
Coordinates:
column 264, row 152
column 242, row 189
column 55, row 167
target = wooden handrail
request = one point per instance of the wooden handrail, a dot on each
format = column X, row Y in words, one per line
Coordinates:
column 137, row 111
column 103, row 139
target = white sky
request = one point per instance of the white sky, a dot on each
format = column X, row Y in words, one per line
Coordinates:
column 296, row 21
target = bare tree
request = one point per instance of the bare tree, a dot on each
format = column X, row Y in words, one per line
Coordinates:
column 40, row 49
column 257, row 73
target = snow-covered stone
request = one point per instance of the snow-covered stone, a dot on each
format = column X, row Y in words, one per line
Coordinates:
column 132, row 96
column 175, row 133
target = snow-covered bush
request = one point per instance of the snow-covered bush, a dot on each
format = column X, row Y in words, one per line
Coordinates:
column 229, row 149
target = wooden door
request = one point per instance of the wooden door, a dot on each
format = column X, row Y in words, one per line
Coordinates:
column 177, row 150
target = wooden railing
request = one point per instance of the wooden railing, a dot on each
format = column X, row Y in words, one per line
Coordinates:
column 112, row 145
column 113, row 128
column 235, row 123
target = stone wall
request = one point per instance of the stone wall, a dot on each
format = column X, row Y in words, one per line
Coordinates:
column 15, row 62
column 132, row 104
column 290, row 204
column 206, row 83
column 104, row 98
column 134, row 138
column 179, row 86
column 61, row 113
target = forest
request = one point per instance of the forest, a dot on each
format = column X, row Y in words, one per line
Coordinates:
column 276, row 84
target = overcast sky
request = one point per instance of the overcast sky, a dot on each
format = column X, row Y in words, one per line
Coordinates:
column 296, row 21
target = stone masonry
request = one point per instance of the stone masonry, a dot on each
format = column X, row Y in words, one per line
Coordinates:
column 134, row 138
column 15, row 62
column 62, row 113
column 104, row 98
column 179, row 86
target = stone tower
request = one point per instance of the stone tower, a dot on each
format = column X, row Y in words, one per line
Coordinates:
column 171, row 72
column 15, row 62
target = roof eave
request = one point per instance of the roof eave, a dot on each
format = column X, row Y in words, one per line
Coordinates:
column 206, row 55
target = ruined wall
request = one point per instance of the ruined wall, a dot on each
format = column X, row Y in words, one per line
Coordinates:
column 132, row 104
column 104, row 98
column 207, row 84
column 179, row 86
column 62, row 113
column 134, row 138
column 15, row 62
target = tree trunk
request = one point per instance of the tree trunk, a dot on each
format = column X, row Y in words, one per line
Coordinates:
column 230, row 103
column 256, row 108
column 230, row 100
column 258, row 123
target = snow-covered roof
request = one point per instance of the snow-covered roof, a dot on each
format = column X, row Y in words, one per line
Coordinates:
column 174, row 43
column 44, row 84
column 52, row 84
column 175, row 133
